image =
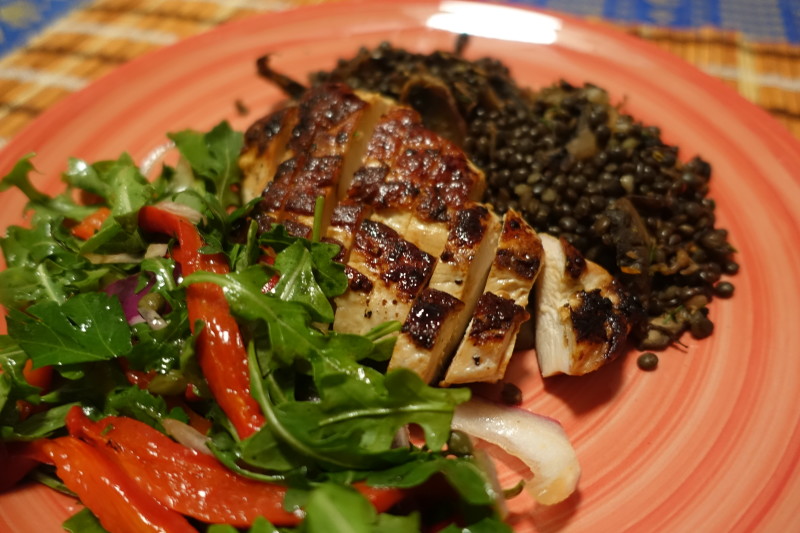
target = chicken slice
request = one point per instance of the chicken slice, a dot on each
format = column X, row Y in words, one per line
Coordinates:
column 485, row 351
column 264, row 149
column 306, row 151
column 385, row 273
column 440, row 313
column 583, row 316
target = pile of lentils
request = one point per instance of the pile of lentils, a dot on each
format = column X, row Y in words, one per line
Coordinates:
column 575, row 166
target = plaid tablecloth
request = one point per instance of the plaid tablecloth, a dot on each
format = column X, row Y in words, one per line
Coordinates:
column 81, row 44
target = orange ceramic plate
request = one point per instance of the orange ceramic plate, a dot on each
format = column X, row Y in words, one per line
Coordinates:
column 711, row 440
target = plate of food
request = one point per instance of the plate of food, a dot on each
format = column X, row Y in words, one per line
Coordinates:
column 643, row 206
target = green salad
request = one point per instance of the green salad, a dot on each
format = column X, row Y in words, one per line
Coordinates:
column 173, row 366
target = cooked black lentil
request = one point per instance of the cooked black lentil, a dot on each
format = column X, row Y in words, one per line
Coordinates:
column 575, row 166
column 510, row 394
column 647, row 361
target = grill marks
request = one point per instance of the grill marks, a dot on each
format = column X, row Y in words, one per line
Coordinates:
column 484, row 353
column 459, row 274
column 397, row 261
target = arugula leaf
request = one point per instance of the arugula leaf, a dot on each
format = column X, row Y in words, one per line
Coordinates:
column 364, row 402
column 297, row 282
column 213, row 157
column 125, row 190
column 13, row 385
column 259, row 525
column 87, row 383
column 266, row 451
column 247, row 254
column 18, row 177
column 19, row 285
column 141, row 405
column 328, row 273
column 335, row 507
column 119, row 182
column 287, row 322
column 39, row 425
column 129, row 191
column 463, row 475
column 229, row 452
column 354, row 421
column 89, row 177
column 43, row 264
column 87, row 327
column 389, row 523
column 45, row 206
column 84, row 521
column 160, row 349
column 332, row 507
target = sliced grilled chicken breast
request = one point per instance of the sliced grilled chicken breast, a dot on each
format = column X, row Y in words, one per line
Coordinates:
column 440, row 313
column 385, row 274
column 583, row 316
column 484, row 353
column 397, row 197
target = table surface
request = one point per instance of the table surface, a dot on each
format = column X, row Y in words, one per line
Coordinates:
column 51, row 48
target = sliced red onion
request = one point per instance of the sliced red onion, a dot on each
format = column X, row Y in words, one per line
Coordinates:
column 125, row 290
column 538, row 441
column 186, row 435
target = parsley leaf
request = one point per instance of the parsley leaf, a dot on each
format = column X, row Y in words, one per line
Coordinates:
column 213, row 157
column 297, row 282
column 87, row 327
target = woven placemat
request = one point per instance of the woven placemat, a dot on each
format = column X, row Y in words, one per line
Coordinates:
column 103, row 34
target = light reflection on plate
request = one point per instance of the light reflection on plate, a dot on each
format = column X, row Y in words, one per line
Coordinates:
column 711, row 440
column 495, row 22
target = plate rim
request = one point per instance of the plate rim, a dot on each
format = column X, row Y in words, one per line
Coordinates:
column 755, row 113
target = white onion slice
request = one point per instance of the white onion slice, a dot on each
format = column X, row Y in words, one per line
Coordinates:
column 538, row 441
column 155, row 155
column 107, row 259
column 156, row 250
column 186, row 435
column 153, row 318
column 192, row 215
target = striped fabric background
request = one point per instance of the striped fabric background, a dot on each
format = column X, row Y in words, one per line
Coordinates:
column 93, row 39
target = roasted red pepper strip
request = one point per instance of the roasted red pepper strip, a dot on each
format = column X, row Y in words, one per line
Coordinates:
column 90, row 225
column 190, row 482
column 182, row 479
column 40, row 377
column 119, row 504
column 220, row 351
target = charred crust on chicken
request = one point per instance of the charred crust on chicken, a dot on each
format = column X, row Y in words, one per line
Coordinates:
column 494, row 316
column 398, row 261
column 427, row 316
column 356, row 281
